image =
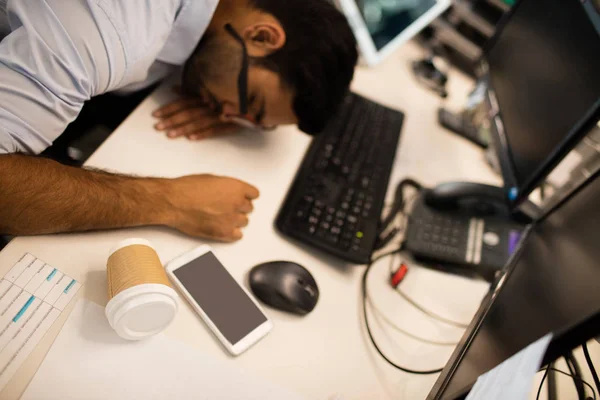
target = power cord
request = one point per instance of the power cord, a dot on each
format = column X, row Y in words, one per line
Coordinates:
column 405, row 332
column 367, row 326
column 575, row 371
column 537, row 397
column 424, row 310
column 397, row 207
column 586, row 354
column 579, row 379
column 430, row 313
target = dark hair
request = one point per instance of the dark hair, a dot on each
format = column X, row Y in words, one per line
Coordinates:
column 317, row 60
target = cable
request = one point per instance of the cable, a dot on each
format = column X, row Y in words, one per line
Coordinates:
column 366, row 317
column 431, row 313
column 551, row 386
column 586, row 353
column 573, row 366
column 427, row 312
column 396, row 327
column 578, row 379
column 564, row 373
column 542, row 384
column 397, row 207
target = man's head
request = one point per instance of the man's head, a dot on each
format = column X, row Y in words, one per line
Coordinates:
column 301, row 56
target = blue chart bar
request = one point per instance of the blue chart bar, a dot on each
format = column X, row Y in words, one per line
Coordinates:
column 23, row 309
column 49, row 278
column 69, row 286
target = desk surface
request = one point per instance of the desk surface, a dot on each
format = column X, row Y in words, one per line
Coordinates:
column 325, row 352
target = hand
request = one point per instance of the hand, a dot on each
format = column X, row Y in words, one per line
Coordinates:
column 190, row 117
column 210, row 206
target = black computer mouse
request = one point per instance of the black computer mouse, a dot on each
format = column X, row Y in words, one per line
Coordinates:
column 284, row 285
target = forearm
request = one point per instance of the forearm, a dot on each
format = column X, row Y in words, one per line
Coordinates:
column 40, row 196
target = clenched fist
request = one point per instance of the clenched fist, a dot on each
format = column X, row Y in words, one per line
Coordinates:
column 210, row 206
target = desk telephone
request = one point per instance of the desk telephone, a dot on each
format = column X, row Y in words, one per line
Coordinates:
column 462, row 224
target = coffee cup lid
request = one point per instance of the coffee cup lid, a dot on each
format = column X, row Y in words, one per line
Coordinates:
column 142, row 311
column 129, row 242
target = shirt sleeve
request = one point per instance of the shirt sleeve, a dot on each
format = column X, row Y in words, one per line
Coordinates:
column 58, row 55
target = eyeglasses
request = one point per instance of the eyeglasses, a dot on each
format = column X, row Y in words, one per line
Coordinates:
column 244, row 118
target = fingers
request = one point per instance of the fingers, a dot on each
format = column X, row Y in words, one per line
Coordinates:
column 241, row 220
column 212, row 131
column 186, row 121
column 231, row 235
column 237, row 234
column 251, row 192
column 177, row 106
column 246, row 207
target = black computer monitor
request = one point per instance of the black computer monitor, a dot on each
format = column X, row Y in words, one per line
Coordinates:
column 551, row 285
column 542, row 68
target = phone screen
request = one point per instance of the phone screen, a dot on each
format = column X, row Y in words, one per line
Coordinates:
column 220, row 297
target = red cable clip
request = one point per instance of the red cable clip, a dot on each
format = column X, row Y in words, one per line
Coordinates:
column 399, row 275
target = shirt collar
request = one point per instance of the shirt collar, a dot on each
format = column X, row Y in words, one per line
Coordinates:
column 190, row 24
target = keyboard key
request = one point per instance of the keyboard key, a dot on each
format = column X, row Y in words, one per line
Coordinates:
column 357, row 150
column 345, row 244
column 333, row 239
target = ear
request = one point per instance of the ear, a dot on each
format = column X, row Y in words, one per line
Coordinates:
column 264, row 38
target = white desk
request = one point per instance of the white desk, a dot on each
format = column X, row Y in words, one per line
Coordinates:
column 326, row 352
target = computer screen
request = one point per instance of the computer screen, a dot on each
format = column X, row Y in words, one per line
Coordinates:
column 544, row 68
column 551, row 285
column 380, row 26
column 386, row 19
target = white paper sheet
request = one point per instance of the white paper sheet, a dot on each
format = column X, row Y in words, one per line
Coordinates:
column 513, row 378
column 33, row 294
column 89, row 361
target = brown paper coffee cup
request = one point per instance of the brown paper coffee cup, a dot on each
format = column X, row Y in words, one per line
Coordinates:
column 142, row 302
column 134, row 264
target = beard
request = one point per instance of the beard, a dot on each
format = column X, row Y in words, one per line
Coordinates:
column 214, row 60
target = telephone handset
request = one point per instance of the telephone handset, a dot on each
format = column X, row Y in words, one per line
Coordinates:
column 463, row 224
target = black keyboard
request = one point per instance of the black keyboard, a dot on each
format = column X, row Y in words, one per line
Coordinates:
column 336, row 198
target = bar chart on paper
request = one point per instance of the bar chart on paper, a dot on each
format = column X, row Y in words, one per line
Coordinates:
column 33, row 294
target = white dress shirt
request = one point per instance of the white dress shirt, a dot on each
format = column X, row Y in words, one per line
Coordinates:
column 59, row 53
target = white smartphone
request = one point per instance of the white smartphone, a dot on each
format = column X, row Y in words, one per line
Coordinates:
column 226, row 307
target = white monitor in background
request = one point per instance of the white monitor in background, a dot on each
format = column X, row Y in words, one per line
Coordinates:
column 381, row 26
